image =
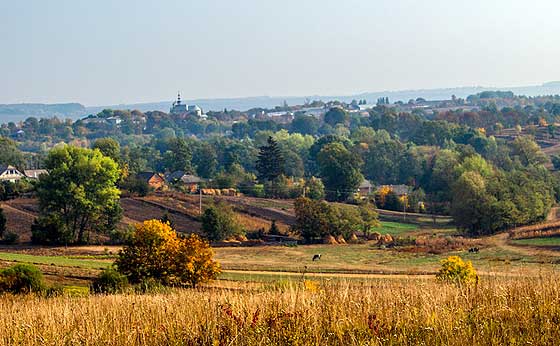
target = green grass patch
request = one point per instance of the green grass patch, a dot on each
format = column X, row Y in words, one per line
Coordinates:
column 55, row 260
column 395, row 228
column 547, row 241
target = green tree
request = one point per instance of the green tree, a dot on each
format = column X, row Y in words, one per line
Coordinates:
column 555, row 161
column 9, row 153
column 340, row 171
column 314, row 188
column 369, row 217
column 528, row 151
column 305, row 124
column 313, row 218
column 109, row 147
column 336, row 116
column 178, row 157
column 270, row 162
column 79, row 193
column 205, row 160
column 471, row 203
column 219, row 222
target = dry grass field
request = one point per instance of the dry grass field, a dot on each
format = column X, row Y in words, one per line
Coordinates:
column 498, row 311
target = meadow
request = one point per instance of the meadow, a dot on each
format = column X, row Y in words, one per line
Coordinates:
column 497, row 311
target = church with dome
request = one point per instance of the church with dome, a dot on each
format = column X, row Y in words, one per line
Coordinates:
column 181, row 109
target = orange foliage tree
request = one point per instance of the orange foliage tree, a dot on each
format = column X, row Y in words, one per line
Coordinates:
column 155, row 251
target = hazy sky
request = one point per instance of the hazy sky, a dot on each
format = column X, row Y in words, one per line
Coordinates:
column 101, row 52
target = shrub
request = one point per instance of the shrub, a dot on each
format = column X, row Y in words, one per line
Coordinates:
column 22, row 278
column 10, row 238
column 48, row 230
column 109, row 281
column 156, row 252
column 274, row 230
column 219, row 222
column 455, row 270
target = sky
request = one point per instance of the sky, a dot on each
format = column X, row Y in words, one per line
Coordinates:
column 130, row 51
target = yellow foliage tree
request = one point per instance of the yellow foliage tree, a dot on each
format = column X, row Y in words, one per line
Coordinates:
column 383, row 192
column 155, row 251
column 454, row 269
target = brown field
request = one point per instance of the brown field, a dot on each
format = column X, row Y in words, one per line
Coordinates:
column 183, row 210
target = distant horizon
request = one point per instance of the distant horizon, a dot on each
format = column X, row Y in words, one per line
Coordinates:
column 334, row 96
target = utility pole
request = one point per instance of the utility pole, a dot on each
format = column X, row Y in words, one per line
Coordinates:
column 200, row 200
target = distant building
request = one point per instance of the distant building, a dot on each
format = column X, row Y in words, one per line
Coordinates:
column 179, row 108
column 154, row 180
column 114, row 121
column 10, row 173
column 365, row 188
column 34, row 173
column 191, row 182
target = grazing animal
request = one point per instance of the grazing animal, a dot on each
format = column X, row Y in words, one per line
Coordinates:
column 316, row 257
column 473, row 250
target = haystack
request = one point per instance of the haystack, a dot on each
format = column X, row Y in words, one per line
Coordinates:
column 329, row 240
column 376, row 236
column 387, row 239
column 340, row 239
column 353, row 239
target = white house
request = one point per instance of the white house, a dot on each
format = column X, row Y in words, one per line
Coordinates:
column 10, row 173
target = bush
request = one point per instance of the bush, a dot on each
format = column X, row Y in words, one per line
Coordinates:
column 120, row 236
column 21, row 278
column 156, row 252
column 48, row 230
column 219, row 222
column 455, row 270
column 10, row 238
column 109, row 281
column 136, row 186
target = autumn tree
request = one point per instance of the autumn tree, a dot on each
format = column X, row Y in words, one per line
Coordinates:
column 157, row 252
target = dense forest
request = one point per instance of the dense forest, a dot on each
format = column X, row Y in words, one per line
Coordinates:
column 482, row 164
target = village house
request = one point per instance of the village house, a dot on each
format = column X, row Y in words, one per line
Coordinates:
column 154, row 180
column 34, row 173
column 191, row 182
column 10, row 173
column 365, row 188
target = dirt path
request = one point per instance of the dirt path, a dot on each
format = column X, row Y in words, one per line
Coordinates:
column 502, row 241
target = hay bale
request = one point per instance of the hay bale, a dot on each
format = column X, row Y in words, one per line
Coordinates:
column 376, row 236
column 241, row 237
column 340, row 239
column 387, row 239
column 329, row 240
column 353, row 239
